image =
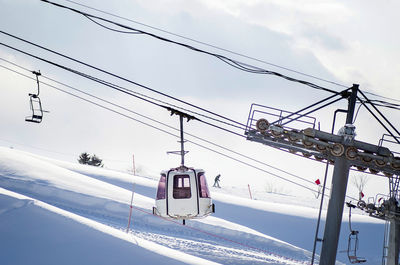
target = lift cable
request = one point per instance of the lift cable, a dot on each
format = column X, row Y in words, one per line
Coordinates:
column 376, row 95
column 383, row 125
column 237, row 64
column 380, row 113
column 377, row 118
column 219, row 48
column 207, row 44
column 171, row 127
column 119, row 106
column 153, row 99
column 298, row 115
column 108, row 84
column 172, row 134
column 381, row 103
column 140, row 85
column 121, row 78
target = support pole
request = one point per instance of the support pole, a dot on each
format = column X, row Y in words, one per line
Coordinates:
column 394, row 243
column 335, row 212
column 338, row 193
column 182, row 141
column 251, row 197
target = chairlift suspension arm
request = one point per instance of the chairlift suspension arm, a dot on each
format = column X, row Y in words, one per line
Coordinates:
column 182, row 140
column 37, row 81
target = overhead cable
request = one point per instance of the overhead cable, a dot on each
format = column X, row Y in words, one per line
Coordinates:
column 172, row 134
column 207, row 44
column 376, row 95
column 111, row 85
column 237, row 64
column 217, row 47
column 153, row 120
column 123, row 78
column 380, row 113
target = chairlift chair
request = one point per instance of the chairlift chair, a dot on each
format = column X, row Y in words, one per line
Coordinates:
column 352, row 243
column 36, row 108
column 35, row 103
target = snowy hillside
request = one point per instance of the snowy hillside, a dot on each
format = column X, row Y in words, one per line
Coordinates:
column 54, row 212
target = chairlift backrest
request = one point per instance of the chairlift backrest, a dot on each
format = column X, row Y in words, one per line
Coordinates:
column 36, row 108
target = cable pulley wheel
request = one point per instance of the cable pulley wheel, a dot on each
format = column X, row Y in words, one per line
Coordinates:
column 262, row 125
column 373, row 171
column 307, row 144
column 292, row 138
column 366, row 159
column 276, row 133
column 379, row 163
column 351, row 153
column 320, row 148
column 337, row 149
column 395, row 163
column 361, row 168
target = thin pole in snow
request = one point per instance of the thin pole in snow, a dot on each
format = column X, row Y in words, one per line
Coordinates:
column 248, row 185
column 130, row 208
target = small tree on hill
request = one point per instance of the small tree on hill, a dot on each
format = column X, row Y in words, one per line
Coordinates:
column 95, row 161
column 87, row 159
column 84, row 158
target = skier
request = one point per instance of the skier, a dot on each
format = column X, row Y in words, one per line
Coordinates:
column 216, row 181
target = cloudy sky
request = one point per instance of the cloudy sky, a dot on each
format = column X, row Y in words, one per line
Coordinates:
column 344, row 42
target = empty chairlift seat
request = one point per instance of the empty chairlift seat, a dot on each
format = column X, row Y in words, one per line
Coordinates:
column 36, row 108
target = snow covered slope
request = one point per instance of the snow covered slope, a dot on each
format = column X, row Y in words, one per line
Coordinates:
column 57, row 212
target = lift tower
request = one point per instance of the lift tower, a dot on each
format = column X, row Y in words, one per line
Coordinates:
column 338, row 193
column 341, row 150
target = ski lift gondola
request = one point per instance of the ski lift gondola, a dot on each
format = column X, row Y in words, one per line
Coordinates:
column 183, row 192
column 35, row 104
column 352, row 244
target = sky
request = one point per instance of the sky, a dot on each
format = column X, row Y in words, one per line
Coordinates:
column 339, row 41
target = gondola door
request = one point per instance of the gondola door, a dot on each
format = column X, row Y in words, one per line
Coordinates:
column 182, row 201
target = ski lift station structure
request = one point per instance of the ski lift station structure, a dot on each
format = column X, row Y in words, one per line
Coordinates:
column 183, row 192
column 343, row 152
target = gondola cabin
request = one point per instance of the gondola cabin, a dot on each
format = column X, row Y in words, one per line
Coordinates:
column 183, row 194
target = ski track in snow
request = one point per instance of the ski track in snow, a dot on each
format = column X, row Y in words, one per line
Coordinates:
column 107, row 199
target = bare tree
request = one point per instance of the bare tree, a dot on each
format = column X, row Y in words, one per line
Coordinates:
column 360, row 181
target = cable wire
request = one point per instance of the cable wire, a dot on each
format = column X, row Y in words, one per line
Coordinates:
column 122, row 78
column 380, row 113
column 111, row 85
column 232, row 62
column 136, row 113
column 207, row 44
column 174, row 135
column 220, row 48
